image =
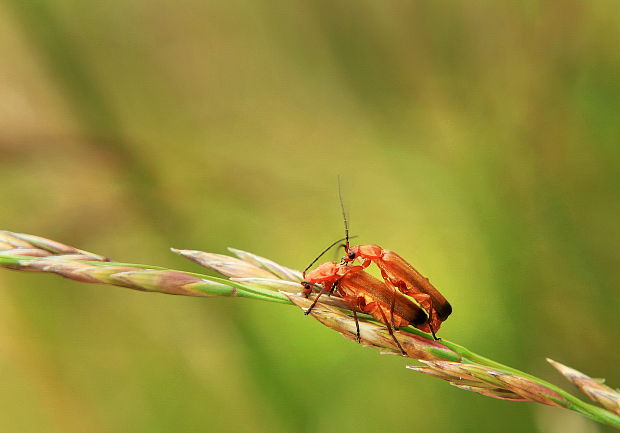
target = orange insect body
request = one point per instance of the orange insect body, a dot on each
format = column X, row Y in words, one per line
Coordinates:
column 400, row 275
column 369, row 295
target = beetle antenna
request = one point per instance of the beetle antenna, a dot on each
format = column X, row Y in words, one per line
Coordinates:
column 324, row 251
column 344, row 216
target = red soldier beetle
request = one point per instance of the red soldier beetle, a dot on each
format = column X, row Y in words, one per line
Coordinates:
column 368, row 295
column 399, row 275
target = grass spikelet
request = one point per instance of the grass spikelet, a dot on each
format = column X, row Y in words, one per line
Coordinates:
column 595, row 389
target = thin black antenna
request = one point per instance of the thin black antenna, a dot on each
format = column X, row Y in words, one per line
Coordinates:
column 344, row 216
column 326, row 250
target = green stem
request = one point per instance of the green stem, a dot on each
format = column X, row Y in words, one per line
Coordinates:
column 571, row 402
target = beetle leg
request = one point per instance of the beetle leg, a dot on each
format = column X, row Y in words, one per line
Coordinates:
column 390, row 331
column 394, row 288
column 357, row 325
column 427, row 303
column 431, row 317
column 334, row 286
column 317, row 299
column 392, row 305
column 357, row 303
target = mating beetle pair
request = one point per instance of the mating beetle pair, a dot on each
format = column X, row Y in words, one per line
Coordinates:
column 390, row 301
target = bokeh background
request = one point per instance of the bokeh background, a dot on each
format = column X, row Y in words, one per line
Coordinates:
column 481, row 140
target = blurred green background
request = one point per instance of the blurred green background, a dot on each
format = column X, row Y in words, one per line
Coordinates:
column 479, row 140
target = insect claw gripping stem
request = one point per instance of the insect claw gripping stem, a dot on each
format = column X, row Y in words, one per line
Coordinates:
column 430, row 325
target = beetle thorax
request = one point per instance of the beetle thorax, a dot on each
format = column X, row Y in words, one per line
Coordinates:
column 370, row 251
column 328, row 271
